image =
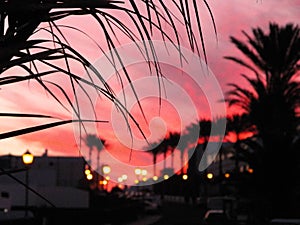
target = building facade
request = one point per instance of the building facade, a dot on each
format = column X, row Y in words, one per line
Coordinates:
column 58, row 179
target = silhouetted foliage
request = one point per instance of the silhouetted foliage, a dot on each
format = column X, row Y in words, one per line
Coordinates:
column 21, row 48
column 271, row 104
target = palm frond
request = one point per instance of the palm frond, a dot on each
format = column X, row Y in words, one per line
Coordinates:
column 18, row 47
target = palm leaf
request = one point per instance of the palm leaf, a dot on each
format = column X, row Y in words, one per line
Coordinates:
column 28, row 53
column 42, row 127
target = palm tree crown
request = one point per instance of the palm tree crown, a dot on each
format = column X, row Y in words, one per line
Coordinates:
column 273, row 101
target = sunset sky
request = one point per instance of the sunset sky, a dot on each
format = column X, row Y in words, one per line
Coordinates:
column 231, row 16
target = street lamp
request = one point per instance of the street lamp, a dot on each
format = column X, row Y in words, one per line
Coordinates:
column 184, row 176
column 250, row 170
column 144, row 172
column 27, row 159
column 106, row 169
column 88, row 173
column 227, row 175
column 137, row 171
column 210, row 176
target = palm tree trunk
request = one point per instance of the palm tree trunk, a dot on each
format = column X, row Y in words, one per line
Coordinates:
column 154, row 165
column 98, row 169
column 221, row 167
column 98, row 160
column 90, row 155
column 237, row 143
column 181, row 159
column 172, row 160
column 165, row 158
column 221, row 158
column 221, row 162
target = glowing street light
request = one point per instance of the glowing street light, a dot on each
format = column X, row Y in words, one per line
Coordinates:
column 210, row 176
column 106, row 169
column 89, row 176
column 124, row 177
column 87, row 171
column 138, row 171
column 105, row 182
column 144, row 172
column 155, row 178
column 120, row 180
column 27, row 159
column 227, row 175
column 184, row 176
column 166, row 177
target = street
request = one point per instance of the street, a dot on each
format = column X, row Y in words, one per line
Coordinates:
column 180, row 214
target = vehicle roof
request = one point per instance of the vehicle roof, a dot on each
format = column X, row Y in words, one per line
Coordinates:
column 285, row 221
column 214, row 211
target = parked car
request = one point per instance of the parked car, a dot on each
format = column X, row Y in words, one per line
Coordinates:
column 152, row 203
column 285, row 221
column 217, row 217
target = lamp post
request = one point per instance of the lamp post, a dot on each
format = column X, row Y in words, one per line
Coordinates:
column 27, row 159
column 106, row 170
column 138, row 173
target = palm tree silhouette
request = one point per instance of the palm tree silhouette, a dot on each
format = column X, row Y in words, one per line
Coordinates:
column 164, row 150
column 202, row 129
column 185, row 139
column 205, row 129
column 218, row 133
column 271, row 102
column 100, row 145
column 172, row 142
column 93, row 141
column 90, row 141
column 154, row 149
column 237, row 124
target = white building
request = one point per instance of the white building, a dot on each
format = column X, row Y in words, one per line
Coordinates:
column 57, row 179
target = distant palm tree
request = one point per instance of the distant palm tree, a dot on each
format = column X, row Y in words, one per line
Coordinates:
column 100, row 145
column 172, row 142
column 202, row 129
column 271, row 103
column 205, row 130
column 238, row 124
column 218, row 133
column 164, row 149
column 185, row 139
column 154, row 150
column 91, row 142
